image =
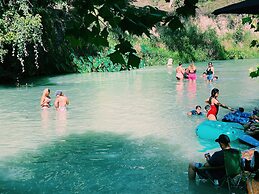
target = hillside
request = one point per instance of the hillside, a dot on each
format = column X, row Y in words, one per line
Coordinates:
column 204, row 6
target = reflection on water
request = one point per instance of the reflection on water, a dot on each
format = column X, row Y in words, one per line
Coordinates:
column 169, row 69
column 191, row 89
column 125, row 132
column 45, row 119
column 179, row 91
column 61, row 122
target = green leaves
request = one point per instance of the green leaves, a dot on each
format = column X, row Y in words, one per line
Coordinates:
column 101, row 63
column 175, row 23
column 255, row 73
column 133, row 61
column 81, row 27
column 117, row 57
column 19, row 29
column 254, row 43
column 247, row 20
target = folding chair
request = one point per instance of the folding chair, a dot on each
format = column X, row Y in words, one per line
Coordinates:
column 233, row 167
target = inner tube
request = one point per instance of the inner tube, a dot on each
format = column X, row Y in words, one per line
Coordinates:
column 213, row 129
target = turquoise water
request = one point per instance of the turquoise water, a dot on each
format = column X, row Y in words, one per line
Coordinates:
column 124, row 132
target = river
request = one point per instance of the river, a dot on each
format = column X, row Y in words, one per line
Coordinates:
column 124, row 132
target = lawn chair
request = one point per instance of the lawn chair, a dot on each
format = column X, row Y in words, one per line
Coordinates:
column 232, row 167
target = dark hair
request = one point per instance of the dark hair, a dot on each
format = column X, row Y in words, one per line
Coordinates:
column 198, row 106
column 48, row 90
column 223, row 139
column 207, row 107
column 241, row 109
column 214, row 91
column 180, row 64
column 210, row 63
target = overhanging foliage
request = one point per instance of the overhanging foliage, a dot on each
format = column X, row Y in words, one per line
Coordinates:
column 82, row 24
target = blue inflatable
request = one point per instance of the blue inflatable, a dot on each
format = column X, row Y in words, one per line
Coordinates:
column 249, row 140
column 237, row 117
column 212, row 129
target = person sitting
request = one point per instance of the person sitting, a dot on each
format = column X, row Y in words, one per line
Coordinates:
column 216, row 160
column 61, row 101
column 250, row 159
column 197, row 111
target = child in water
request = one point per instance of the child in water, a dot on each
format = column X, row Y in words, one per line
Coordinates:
column 197, row 111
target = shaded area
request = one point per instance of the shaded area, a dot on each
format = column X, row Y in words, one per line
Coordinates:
column 249, row 7
column 93, row 163
column 101, row 163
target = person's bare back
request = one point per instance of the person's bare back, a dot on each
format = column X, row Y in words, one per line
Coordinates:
column 61, row 101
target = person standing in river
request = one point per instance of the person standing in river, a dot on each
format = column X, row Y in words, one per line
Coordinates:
column 179, row 72
column 45, row 99
column 192, row 72
column 210, row 72
column 214, row 105
column 61, row 101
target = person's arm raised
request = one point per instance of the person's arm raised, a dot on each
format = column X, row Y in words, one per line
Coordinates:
column 225, row 106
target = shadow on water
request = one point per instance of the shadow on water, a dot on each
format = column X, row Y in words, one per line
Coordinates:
column 91, row 163
column 99, row 163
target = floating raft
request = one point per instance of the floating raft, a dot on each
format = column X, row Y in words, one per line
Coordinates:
column 249, row 140
column 212, row 129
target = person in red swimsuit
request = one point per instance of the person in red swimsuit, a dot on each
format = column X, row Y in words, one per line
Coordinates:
column 214, row 105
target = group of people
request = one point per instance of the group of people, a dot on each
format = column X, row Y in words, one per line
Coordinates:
column 212, row 108
column 190, row 72
column 249, row 162
column 60, row 103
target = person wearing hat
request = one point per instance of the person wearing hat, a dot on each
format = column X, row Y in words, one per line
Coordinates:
column 61, row 101
column 216, row 160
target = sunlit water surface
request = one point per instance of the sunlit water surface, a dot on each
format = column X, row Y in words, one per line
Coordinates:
column 124, row 132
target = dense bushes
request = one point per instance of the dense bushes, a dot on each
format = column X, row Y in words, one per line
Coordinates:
column 190, row 44
column 183, row 45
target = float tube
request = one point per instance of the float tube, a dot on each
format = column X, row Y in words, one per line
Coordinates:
column 249, row 140
column 212, row 129
column 237, row 117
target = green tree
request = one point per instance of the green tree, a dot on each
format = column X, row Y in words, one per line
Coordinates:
column 53, row 29
column 254, row 24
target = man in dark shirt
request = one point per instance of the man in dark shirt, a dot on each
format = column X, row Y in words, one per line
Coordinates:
column 216, row 160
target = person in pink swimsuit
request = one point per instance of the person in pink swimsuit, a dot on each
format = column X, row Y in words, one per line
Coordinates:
column 192, row 72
